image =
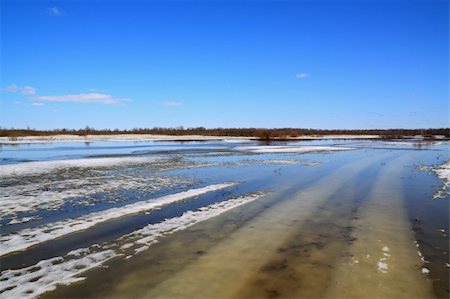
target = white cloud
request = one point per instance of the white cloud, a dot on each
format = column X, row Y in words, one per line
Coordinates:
column 17, row 102
column 54, row 11
column 172, row 104
column 301, row 75
column 25, row 90
column 11, row 88
column 86, row 98
column 37, row 104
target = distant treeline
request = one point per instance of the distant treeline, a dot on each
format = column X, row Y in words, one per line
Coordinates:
column 261, row 133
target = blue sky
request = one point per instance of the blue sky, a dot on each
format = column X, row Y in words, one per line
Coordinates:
column 309, row 64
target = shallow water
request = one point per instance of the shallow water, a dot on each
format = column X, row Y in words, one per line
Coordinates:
column 347, row 224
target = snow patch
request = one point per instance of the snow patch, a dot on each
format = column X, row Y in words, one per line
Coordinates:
column 44, row 276
column 26, row 238
column 443, row 172
column 23, row 220
column 38, row 167
column 289, row 149
column 149, row 234
column 30, row 282
column 52, row 195
column 382, row 266
column 115, row 138
column 382, row 262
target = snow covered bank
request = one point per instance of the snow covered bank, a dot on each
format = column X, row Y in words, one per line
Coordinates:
column 26, row 238
column 289, row 149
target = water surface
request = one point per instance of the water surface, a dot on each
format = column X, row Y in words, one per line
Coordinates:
column 349, row 224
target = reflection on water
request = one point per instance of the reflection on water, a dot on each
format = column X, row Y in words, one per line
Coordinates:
column 347, row 224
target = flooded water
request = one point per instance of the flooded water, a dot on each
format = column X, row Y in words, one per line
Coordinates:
column 224, row 219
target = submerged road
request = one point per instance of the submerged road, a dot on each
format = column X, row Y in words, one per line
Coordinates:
column 344, row 234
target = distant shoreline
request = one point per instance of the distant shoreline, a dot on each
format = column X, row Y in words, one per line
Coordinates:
column 190, row 138
column 250, row 133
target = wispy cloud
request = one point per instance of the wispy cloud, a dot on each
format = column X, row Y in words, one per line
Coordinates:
column 171, row 104
column 301, row 75
column 96, row 90
column 55, row 11
column 37, row 104
column 17, row 103
column 86, row 98
column 25, row 90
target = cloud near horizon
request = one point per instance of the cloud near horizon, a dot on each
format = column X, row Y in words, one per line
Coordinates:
column 172, row 104
column 25, row 90
column 85, row 98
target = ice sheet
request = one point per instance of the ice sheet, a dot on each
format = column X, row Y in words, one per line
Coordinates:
column 26, row 238
column 44, row 276
column 289, row 149
column 47, row 166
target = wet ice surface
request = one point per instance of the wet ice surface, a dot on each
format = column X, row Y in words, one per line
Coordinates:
column 54, row 185
column 26, row 238
column 276, row 219
column 442, row 171
column 46, row 274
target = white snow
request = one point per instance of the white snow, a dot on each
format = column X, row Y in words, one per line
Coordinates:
column 150, row 137
column 150, row 234
column 289, row 149
column 316, row 137
column 240, row 140
column 39, row 167
column 126, row 246
column 28, row 237
column 30, row 197
column 117, row 138
column 287, row 162
column 23, row 219
column 44, row 276
column 30, row 282
column 442, row 172
column 383, row 261
column 78, row 252
column 382, row 266
column 247, row 162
